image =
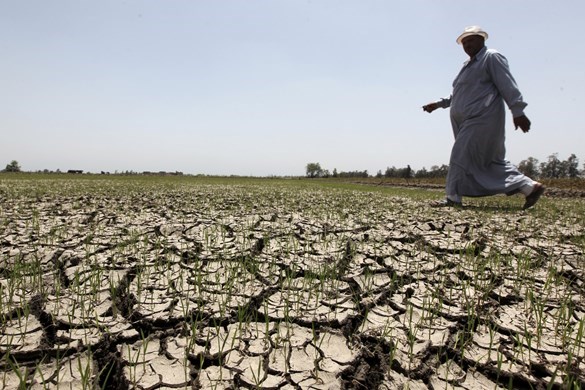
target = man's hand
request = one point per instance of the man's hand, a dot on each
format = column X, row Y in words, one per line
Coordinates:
column 430, row 107
column 522, row 122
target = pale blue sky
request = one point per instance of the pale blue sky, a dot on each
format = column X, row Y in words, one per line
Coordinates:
column 262, row 87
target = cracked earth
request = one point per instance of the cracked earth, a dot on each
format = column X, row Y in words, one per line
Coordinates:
column 268, row 287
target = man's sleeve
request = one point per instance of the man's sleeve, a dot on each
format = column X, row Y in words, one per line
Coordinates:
column 444, row 102
column 505, row 83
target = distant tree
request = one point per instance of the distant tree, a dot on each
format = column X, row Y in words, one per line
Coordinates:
column 572, row 164
column 422, row 173
column 552, row 168
column 437, row 171
column 391, row 172
column 354, row 174
column 529, row 167
column 406, row 173
column 335, row 174
column 379, row 174
column 314, row 170
column 12, row 167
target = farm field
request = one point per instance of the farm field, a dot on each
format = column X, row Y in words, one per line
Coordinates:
column 200, row 283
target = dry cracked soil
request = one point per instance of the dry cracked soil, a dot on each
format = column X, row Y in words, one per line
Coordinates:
column 268, row 287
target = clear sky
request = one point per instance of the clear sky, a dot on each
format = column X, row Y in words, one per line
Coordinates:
column 263, row 87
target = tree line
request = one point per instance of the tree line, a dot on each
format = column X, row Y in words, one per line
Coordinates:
column 553, row 168
column 14, row 167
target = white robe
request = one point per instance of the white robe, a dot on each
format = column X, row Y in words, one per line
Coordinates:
column 477, row 166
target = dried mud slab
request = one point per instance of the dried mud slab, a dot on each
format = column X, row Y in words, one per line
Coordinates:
column 74, row 372
column 106, row 284
column 311, row 301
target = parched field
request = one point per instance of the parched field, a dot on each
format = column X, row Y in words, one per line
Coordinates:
column 187, row 283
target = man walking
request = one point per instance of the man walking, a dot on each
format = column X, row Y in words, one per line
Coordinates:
column 477, row 166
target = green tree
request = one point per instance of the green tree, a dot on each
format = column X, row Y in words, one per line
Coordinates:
column 529, row 167
column 572, row 164
column 391, row 172
column 12, row 167
column 406, row 173
column 422, row 173
column 314, row 170
column 552, row 169
column 437, row 171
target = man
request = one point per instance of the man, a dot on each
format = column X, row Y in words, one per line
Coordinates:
column 477, row 166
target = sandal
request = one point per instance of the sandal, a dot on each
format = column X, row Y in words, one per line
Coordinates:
column 534, row 196
column 446, row 203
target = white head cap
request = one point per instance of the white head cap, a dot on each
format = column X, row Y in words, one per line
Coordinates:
column 472, row 30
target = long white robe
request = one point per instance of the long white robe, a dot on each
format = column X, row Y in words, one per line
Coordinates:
column 478, row 166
